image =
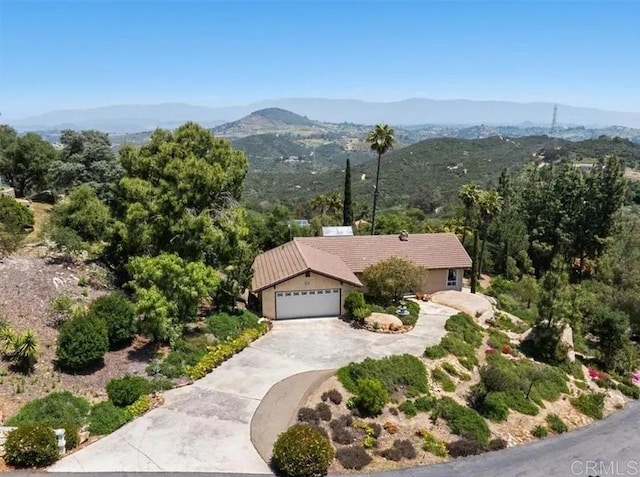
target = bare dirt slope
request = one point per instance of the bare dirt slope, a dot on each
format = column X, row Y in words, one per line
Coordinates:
column 27, row 287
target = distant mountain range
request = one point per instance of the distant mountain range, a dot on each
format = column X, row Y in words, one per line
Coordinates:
column 415, row 111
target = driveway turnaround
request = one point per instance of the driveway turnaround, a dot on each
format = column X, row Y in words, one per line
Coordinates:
column 205, row 427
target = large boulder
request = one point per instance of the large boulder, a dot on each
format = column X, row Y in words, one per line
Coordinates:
column 383, row 322
column 45, row 196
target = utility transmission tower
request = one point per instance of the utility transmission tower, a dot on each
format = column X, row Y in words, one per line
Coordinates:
column 554, row 121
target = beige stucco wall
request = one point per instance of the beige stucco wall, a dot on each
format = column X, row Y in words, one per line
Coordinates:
column 300, row 282
column 435, row 281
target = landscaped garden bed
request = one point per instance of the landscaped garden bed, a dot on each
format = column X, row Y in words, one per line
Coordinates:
column 474, row 392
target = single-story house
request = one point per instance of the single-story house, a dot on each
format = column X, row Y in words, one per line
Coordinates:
column 310, row 276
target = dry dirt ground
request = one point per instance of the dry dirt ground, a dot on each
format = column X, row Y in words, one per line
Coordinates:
column 515, row 430
column 28, row 284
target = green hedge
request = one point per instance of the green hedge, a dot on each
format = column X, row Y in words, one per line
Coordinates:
column 220, row 352
column 118, row 313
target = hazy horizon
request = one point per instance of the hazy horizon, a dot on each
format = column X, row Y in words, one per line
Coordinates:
column 82, row 55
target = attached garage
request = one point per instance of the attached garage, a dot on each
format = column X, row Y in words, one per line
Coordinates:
column 308, row 303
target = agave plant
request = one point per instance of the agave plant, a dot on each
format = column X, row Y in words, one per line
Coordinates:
column 25, row 350
column 7, row 335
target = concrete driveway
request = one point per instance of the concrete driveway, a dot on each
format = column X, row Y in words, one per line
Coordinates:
column 205, row 427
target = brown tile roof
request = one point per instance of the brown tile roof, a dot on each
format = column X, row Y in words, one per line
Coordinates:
column 292, row 259
column 433, row 251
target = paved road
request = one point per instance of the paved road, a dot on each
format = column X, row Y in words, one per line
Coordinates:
column 607, row 448
column 205, row 427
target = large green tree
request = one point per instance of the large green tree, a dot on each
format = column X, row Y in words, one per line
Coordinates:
column 86, row 158
column 380, row 139
column 180, row 194
column 24, row 160
column 168, row 291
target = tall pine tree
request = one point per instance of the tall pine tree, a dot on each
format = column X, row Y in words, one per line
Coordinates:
column 347, row 208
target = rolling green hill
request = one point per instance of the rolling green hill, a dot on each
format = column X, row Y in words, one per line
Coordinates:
column 431, row 171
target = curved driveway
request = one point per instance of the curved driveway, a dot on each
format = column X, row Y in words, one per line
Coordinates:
column 205, row 427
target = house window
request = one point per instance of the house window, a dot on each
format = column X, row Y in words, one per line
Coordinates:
column 452, row 277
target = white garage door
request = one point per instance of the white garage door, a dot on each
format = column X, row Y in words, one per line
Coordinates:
column 307, row 303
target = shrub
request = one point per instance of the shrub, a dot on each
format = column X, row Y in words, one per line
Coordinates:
column 408, row 408
column 106, row 417
column 462, row 420
column 464, row 448
column 497, row 339
column 353, row 301
column 219, row 353
column 631, row 391
column 432, row 444
column 424, row 403
column 119, row 315
column 398, row 372
column 323, row 411
column 82, row 342
column 185, row 353
column 126, row 390
column 31, row 446
column 445, row 382
column 56, row 410
column 390, row 427
column 451, row 369
column 345, row 420
column 556, row 424
column 414, row 313
column 369, row 442
column 539, row 432
column 342, row 435
column 138, row 408
column 591, row 405
column 464, row 326
column 302, row 451
column 494, row 407
column 406, row 448
column 332, row 395
column 354, row 458
column 309, row 415
column 375, row 429
column 391, row 453
column 497, row 444
column 160, row 384
column 228, row 325
column 71, row 437
column 372, row 396
column 455, row 345
column 435, row 352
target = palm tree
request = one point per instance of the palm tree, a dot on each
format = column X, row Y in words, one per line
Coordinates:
column 489, row 205
column 468, row 195
column 381, row 139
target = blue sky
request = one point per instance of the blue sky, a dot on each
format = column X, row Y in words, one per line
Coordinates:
column 80, row 54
